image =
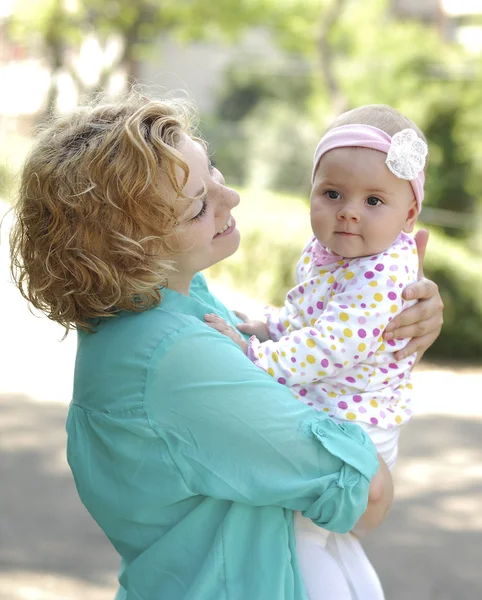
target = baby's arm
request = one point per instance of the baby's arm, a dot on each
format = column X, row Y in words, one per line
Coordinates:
column 276, row 322
column 348, row 332
column 250, row 327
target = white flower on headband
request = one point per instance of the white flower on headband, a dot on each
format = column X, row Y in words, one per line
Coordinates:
column 407, row 154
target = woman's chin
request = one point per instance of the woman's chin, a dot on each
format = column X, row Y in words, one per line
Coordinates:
column 230, row 245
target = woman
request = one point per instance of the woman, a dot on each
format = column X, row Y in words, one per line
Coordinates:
column 190, row 458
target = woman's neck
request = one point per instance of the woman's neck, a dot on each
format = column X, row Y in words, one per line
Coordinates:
column 178, row 283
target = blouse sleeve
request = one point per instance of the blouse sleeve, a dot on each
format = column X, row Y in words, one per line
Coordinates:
column 235, row 434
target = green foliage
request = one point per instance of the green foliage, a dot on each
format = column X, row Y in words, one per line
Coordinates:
column 280, row 148
column 139, row 23
column 274, row 229
column 264, row 125
column 372, row 57
column 43, row 20
column 248, row 83
column 388, row 67
column 435, row 83
column 227, row 147
column 6, row 181
column 58, row 27
column 450, row 171
column 458, row 273
column 13, row 149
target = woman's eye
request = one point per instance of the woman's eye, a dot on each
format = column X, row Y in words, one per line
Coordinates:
column 201, row 212
column 333, row 195
column 373, row 201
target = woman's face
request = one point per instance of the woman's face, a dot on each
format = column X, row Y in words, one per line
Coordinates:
column 209, row 234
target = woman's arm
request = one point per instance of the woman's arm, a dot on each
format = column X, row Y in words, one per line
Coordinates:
column 236, row 434
column 423, row 321
column 380, row 498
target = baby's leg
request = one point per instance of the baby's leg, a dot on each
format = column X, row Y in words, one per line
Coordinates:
column 322, row 574
column 324, row 579
column 334, row 566
column 360, row 575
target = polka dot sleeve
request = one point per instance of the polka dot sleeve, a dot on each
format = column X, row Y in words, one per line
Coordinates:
column 362, row 301
column 278, row 319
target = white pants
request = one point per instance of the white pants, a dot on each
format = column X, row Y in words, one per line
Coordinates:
column 334, row 566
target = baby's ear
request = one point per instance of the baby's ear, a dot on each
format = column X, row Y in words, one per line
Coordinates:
column 411, row 217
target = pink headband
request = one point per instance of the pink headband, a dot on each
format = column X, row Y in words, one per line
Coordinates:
column 406, row 152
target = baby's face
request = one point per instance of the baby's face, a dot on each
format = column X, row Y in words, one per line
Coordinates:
column 358, row 206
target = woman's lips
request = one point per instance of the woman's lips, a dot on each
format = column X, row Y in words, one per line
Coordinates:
column 229, row 230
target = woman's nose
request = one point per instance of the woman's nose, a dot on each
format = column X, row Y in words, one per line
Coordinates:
column 230, row 197
column 225, row 202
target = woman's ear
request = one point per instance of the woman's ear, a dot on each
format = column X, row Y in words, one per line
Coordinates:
column 411, row 217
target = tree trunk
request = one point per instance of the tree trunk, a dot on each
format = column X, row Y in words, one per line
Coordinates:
column 326, row 54
column 55, row 55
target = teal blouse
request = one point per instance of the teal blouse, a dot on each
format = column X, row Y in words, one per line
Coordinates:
column 192, row 459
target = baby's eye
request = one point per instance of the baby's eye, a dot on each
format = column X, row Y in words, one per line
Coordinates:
column 333, row 195
column 373, row 201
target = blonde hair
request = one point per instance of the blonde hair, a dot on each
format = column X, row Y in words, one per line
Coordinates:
column 93, row 216
column 382, row 116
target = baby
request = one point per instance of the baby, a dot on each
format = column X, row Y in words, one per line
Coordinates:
column 326, row 342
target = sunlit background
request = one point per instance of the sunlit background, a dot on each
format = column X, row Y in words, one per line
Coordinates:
column 267, row 77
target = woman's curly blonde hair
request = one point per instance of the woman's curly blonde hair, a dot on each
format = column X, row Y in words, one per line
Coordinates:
column 93, row 216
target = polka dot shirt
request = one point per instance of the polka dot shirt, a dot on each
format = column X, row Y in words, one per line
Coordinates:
column 327, row 343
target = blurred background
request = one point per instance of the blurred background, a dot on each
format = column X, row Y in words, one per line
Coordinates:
column 267, row 77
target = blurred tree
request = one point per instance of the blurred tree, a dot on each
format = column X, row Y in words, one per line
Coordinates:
column 450, row 169
column 353, row 53
column 62, row 25
column 362, row 53
column 407, row 64
column 329, row 21
column 246, row 84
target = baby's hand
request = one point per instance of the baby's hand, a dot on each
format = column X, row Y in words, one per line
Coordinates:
column 220, row 325
column 257, row 328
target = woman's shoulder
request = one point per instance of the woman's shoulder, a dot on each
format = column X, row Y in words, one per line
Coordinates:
column 129, row 330
column 113, row 363
column 175, row 312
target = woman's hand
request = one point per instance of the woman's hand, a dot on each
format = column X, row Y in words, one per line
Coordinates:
column 380, row 497
column 423, row 321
